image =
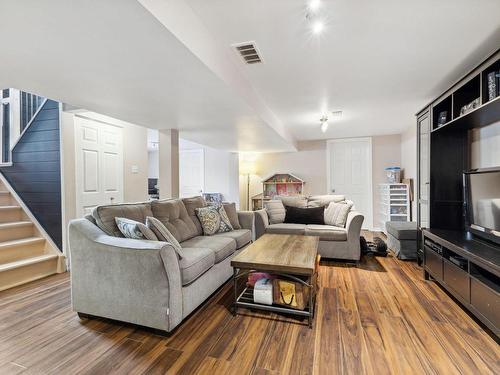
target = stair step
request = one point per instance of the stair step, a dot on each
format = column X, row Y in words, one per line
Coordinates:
column 16, row 230
column 11, row 251
column 26, row 270
column 5, row 198
column 10, row 214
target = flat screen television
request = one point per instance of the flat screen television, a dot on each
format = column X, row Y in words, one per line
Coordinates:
column 482, row 203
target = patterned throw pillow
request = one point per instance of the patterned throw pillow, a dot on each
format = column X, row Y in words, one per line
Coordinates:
column 213, row 219
column 336, row 213
column 134, row 229
column 163, row 234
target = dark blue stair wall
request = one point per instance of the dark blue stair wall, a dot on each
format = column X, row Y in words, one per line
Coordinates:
column 35, row 173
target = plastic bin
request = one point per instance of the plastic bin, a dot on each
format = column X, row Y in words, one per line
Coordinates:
column 393, row 175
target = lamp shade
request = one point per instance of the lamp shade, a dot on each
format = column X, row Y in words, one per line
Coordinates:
column 247, row 167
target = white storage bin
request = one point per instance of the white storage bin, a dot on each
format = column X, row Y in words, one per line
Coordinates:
column 393, row 175
column 263, row 291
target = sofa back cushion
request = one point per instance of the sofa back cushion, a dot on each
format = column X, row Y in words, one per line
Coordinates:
column 173, row 214
column 191, row 205
column 104, row 216
column 293, row 201
column 275, row 211
column 324, row 200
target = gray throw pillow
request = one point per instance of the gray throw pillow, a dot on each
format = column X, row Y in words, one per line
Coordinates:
column 232, row 214
column 213, row 220
column 276, row 211
column 163, row 234
column 134, row 229
column 336, row 213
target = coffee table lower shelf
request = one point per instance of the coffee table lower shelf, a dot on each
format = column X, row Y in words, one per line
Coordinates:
column 245, row 298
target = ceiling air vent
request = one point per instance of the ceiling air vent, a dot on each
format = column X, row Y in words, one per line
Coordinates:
column 248, row 51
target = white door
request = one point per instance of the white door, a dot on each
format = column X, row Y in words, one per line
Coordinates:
column 191, row 172
column 99, row 165
column 349, row 171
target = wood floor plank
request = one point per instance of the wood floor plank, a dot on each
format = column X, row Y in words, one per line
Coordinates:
column 381, row 317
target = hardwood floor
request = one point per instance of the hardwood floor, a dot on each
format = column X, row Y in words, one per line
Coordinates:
column 378, row 318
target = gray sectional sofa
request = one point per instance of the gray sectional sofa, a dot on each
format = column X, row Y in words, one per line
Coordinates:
column 334, row 242
column 145, row 282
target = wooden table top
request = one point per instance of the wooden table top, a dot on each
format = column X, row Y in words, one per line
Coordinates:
column 284, row 253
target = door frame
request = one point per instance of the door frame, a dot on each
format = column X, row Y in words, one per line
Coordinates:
column 329, row 145
column 201, row 151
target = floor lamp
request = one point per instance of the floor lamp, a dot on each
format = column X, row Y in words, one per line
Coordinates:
column 247, row 168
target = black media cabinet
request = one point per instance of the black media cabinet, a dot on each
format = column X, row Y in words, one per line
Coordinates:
column 469, row 269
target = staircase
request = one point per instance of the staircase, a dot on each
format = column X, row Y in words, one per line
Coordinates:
column 25, row 254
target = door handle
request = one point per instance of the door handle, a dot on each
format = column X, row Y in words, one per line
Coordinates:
column 333, row 190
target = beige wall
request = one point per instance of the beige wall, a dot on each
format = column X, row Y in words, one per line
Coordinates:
column 135, row 153
column 409, row 160
column 309, row 163
column 386, row 152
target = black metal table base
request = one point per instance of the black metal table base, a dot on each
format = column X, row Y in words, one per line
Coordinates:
column 245, row 298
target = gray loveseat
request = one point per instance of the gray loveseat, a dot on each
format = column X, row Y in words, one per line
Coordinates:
column 334, row 242
column 145, row 282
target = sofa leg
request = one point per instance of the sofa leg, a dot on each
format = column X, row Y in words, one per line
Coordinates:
column 83, row 315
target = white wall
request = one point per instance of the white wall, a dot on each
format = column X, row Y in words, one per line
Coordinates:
column 153, row 164
column 221, row 170
column 485, row 147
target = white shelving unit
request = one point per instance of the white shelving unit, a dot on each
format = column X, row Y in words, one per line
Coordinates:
column 394, row 204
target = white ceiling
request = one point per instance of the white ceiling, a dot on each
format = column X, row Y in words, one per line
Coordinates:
column 168, row 63
column 113, row 57
column 377, row 61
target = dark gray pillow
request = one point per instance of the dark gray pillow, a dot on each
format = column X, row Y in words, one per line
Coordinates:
column 232, row 214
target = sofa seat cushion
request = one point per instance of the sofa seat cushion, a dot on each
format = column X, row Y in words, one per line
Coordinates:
column 222, row 247
column 286, row 228
column 327, row 232
column 241, row 236
column 173, row 214
column 104, row 216
column 194, row 263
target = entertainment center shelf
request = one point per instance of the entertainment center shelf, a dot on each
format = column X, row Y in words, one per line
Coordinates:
column 467, row 268
column 464, row 264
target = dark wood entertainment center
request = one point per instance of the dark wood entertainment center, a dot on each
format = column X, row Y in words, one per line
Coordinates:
column 467, row 266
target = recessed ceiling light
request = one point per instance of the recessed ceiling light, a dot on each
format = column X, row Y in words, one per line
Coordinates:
column 318, row 27
column 314, row 5
column 324, row 123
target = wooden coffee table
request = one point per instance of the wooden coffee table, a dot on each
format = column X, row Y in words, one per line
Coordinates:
column 292, row 257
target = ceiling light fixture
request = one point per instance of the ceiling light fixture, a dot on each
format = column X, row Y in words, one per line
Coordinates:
column 324, row 123
column 318, row 27
column 314, row 5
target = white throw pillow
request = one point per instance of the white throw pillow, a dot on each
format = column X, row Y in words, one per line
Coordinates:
column 276, row 211
column 336, row 213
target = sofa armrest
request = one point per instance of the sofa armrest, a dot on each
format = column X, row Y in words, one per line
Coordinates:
column 246, row 219
column 261, row 222
column 129, row 280
column 353, row 226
